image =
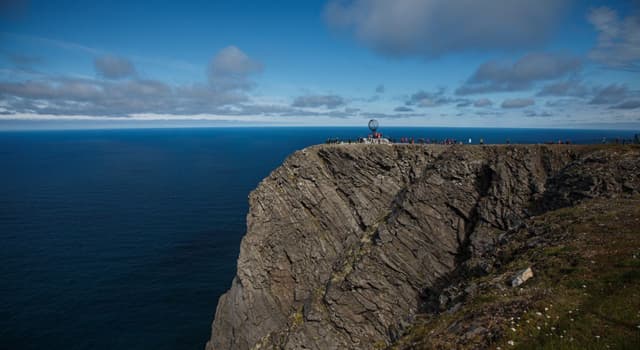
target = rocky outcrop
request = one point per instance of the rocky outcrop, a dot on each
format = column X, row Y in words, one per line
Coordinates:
column 345, row 244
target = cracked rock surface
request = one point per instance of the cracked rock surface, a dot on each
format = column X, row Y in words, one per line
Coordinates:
column 343, row 240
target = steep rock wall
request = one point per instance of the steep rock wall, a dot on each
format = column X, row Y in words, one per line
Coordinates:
column 344, row 241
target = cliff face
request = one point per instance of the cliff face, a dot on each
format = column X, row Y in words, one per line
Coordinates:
column 345, row 243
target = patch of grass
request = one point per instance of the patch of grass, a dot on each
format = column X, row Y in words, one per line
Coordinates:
column 557, row 250
column 380, row 344
column 597, row 304
column 585, row 293
column 606, row 314
column 297, row 318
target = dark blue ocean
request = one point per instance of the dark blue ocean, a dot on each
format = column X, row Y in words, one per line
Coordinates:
column 125, row 239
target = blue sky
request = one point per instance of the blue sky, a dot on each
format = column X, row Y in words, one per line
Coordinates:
column 518, row 63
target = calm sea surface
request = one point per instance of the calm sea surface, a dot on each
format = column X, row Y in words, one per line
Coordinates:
column 125, row 239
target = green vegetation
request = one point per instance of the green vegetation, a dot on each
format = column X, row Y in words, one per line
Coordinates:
column 585, row 293
column 297, row 318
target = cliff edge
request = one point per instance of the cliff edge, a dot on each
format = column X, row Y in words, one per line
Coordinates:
column 365, row 246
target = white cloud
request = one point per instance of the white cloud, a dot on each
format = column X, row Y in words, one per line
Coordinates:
column 229, row 80
column 114, row 67
column 430, row 28
column 570, row 87
column 230, row 68
column 494, row 76
column 618, row 39
column 429, row 99
column 314, row 101
column 517, row 103
column 483, row 102
column 613, row 93
column 631, row 104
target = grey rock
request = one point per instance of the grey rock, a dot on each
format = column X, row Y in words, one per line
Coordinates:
column 521, row 277
column 345, row 243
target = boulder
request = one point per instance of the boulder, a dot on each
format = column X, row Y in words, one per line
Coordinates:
column 521, row 277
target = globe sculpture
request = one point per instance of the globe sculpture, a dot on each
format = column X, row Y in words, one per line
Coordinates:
column 373, row 125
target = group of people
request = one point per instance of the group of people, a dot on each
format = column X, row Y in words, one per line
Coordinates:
column 559, row 142
column 447, row 141
column 635, row 140
column 453, row 141
column 404, row 140
column 334, row 140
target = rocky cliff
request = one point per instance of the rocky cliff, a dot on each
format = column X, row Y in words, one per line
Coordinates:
column 348, row 246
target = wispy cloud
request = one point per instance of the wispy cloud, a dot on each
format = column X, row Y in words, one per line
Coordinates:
column 429, row 99
column 62, row 44
column 618, row 39
column 95, row 52
column 631, row 104
column 114, row 67
column 231, row 69
column 402, row 109
column 314, row 101
column 430, row 28
column 570, row 87
column 483, row 102
column 500, row 76
column 51, row 95
column 610, row 94
column 517, row 103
